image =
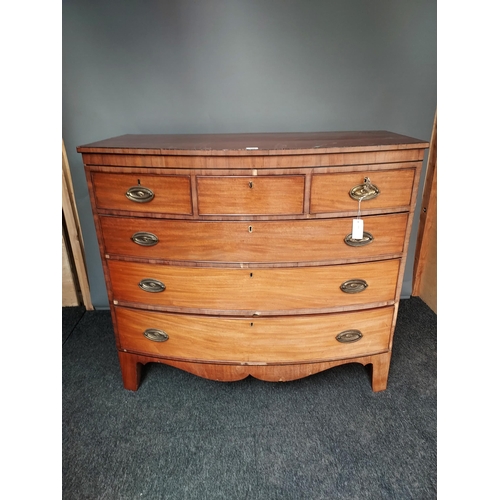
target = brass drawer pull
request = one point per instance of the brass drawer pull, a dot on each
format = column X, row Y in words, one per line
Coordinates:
column 145, row 239
column 140, row 194
column 155, row 335
column 349, row 336
column 151, row 285
column 354, row 286
column 365, row 191
column 366, row 240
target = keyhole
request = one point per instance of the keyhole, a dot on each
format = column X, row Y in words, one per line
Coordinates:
column 250, row 184
column 251, row 275
column 138, row 182
column 250, row 229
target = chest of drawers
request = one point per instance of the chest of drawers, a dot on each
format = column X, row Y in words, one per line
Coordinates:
column 233, row 255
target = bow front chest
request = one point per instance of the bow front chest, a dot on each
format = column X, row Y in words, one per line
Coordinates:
column 232, row 255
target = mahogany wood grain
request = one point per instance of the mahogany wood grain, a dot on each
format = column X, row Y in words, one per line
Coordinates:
column 228, row 251
column 253, row 162
column 254, row 143
column 283, row 339
column 254, row 241
column 270, row 373
column 250, row 291
column 330, row 192
column 248, row 195
column 235, row 171
column 380, row 371
column 172, row 194
column 131, row 371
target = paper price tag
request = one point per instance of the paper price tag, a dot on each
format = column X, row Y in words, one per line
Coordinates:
column 357, row 229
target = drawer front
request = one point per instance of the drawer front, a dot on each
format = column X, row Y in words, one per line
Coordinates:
column 253, row 241
column 284, row 339
column 255, row 290
column 169, row 194
column 251, row 195
column 331, row 192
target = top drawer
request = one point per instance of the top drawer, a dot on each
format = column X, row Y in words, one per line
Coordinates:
column 251, row 195
column 340, row 192
column 168, row 194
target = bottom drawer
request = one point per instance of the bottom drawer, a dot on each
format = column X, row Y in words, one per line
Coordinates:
column 285, row 339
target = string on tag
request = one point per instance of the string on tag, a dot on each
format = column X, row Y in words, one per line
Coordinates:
column 357, row 223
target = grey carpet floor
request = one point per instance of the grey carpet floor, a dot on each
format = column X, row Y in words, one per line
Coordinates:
column 327, row 436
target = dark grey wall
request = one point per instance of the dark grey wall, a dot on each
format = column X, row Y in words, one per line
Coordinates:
column 209, row 66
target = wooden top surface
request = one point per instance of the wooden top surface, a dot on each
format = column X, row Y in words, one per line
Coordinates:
column 253, row 143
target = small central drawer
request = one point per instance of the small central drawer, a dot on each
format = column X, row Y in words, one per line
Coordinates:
column 251, row 195
column 250, row 291
column 168, row 194
column 284, row 339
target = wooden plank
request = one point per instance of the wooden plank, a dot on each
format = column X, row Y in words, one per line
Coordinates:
column 74, row 230
column 425, row 267
column 69, row 294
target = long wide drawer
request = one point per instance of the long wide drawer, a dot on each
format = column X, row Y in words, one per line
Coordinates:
column 254, row 290
column 285, row 339
column 168, row 194
column 251, row 195
column 340, row 192
column 253, row 241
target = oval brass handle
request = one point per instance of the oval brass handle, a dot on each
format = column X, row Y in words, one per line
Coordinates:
column 354, row 286
column 155, row 335
column 365, row 191
column 349, row 336
column 151, row 285
column 145, row 239
column 140, row 194
column 366, row 240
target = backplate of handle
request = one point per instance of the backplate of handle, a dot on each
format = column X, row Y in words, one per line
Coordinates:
column 366, row 240
column 365, row 191
column 349, row 336
column 155, row 335
column 145, row 239
column 152, row 285
column 140, row 194
column 354, row 286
